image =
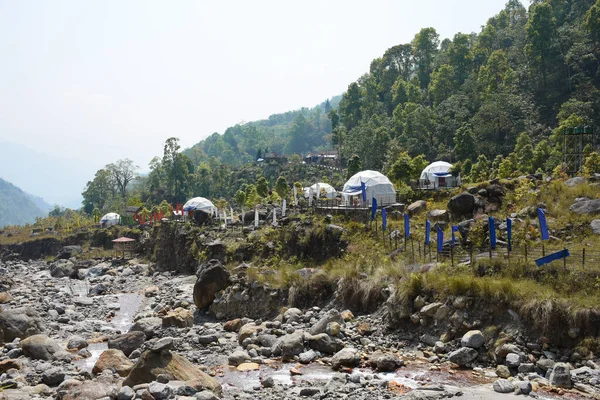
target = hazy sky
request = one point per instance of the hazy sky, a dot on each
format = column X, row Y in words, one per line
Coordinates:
column 110, row 79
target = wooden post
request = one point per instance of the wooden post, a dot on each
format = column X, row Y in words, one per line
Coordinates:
column 543, row 250
column 471, row 254
column 583, row 257
column 412, row 245
column 452, row 254
column 565, row 260
column 420, row 249
column 525, row 252
column 429, row 251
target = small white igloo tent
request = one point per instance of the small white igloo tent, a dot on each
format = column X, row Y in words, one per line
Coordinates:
column 437, row 175
column 201, row 204
column 377, row 185
column 329, row 190
column 110, row 219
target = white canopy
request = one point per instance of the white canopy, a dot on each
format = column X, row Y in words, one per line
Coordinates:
column 330, row 191
column 200, row 203
column 376, row 185
column 110, row 219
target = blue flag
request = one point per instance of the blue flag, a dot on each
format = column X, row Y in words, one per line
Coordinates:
column 363, row 189
column 551, row 257
column 454, row 229
column 383, row 219
column 427, row 233
column 509, row 233
column 543, row 224
column 406, row 226
column 440, row 239
column 373, row 208
column 492, row 227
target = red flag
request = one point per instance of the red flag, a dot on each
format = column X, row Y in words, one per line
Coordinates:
column 170, row 209
column 135, row 217
column 155, row 218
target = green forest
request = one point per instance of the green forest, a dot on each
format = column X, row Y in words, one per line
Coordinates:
column 494, row 103
column 18, row 207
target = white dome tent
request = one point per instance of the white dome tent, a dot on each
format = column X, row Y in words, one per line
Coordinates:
column 376, row 185
column 200, row 204
column 330, row 191
column 110, row 219
column 437, row 175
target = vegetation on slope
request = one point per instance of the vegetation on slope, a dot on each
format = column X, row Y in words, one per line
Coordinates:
column 18, row 207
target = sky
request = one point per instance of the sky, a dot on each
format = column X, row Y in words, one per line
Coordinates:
column 96, row 81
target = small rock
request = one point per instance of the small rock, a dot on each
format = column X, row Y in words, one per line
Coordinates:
column 472, row 339
column 561, row 376
column 503, row 386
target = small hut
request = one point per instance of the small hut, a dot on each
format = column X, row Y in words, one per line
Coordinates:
column 123, row 245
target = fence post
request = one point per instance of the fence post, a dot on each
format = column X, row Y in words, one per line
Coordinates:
column 565, row 260
column 452, row 255
column 525, row 252
column 583, row 258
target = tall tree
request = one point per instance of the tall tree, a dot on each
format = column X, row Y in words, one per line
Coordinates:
column 123, row 172
column 425, row 48
column 541, row 31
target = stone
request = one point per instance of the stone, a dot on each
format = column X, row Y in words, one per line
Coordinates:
column 126, row 393
column 160, row 345
column 105, row 386
column 462, row 205
column 513, row 360
column 586, row 207
column 503, row 372
column 68, row 251
column 208, row 339
column 333, row 329
column 347, row 357
column 238, row 357
column 248, row 366
column 526, row 368
column 348, row 316
column 463, row 356
column 212, row 278
column 388, row 363
column 205, row 395
column 248, row 330
column 267, row 381
column 62, row 268
column 595, row 225
column 575, row 181
column 332, row 315
column 20, row 323
column 419, row 302
column 5, row 365
column 292, row 345
column 292, row 315
column 438, row 215
column 152, row 364
column 179, row 318
column 473, row 339
column 430, row 309
column 76, row 343
column 561, row 375
column 149, row 326
column 525, row 387
column 53, row 376
column 307, row 357
column 127, row 342
column 545, row 364
column 113, row 359
column 41, row 347
column 233, row 326
column 503, row 386
column 324, row 343
column 309, row 391
column 442, row 313
column 5, row 297
column 159, row 391
column 416, row 207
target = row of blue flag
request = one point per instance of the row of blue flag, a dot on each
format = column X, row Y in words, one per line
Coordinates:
column 440, row 232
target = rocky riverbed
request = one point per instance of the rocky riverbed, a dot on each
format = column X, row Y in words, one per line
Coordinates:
column 81, row 329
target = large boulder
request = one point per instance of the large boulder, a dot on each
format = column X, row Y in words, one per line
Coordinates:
column 575, row 181
column 104, row 386
column 291, row 345
column 561, row 375
column 152, row 364
column 463, row 356
column 332, row 315
column 20, row 323
column 247, row 330
column 595, row 225
column 127, row 342
column 438, row 215
column 347, row 357
column 113, row 359
column 68, row 251
column 416, row 207
column 472, row 339
column 41, row 347
column 179, row 318
column 324, row 343
column 149, row 326
column 503, row 386
column 212, row 278
column 63, row 268
column 586, row 207
column 462, row 205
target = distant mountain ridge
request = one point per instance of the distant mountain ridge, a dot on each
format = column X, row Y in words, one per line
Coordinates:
column 18, row 207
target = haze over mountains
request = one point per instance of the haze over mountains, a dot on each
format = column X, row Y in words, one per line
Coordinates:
column 18, row 207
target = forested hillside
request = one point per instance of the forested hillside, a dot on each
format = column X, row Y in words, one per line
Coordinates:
column 18, row 207
column 527, row 74
column 299, row 131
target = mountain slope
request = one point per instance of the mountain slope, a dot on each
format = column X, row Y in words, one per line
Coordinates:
column 298, row 131
column 18, row 207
